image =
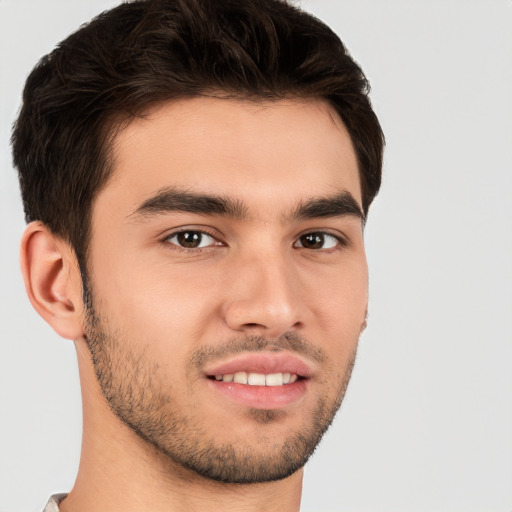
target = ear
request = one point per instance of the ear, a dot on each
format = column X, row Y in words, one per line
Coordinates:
column 52, row 280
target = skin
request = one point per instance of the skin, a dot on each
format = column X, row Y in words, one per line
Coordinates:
column 160, row 305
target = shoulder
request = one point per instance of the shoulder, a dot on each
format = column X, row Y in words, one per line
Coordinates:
column 53, row 503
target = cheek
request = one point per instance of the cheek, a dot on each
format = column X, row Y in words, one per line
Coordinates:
column 340, row 309
column 155, row 303
column 342, row 297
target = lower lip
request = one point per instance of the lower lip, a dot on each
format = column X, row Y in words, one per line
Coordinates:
column 262, row 397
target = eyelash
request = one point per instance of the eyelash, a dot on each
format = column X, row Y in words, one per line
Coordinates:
column 340, row 241
column 202, row 232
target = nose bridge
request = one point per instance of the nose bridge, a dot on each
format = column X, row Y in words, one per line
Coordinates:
column 265, row 294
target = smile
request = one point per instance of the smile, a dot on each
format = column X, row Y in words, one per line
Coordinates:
column 258, row 379
column 263, row 380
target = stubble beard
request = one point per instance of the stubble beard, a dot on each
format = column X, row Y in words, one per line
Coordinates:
column 129, row 380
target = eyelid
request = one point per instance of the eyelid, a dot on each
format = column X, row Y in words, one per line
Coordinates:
column 207, row 230
column 342, row 240
column 205, row 237
column 204, row 230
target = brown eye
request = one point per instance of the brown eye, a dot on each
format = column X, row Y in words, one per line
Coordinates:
column 317, row 240
column 312, row 240
column 191, row 239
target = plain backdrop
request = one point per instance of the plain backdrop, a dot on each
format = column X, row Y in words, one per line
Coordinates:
column 427, row 422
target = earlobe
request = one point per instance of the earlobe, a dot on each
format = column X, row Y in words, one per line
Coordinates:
column 52, row 279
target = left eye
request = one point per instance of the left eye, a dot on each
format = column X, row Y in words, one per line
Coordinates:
column 318, row 240
column 191, row 239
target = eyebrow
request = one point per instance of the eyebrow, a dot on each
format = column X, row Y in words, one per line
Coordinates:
column 176, row 200
column 339, row 205
column 171, row 199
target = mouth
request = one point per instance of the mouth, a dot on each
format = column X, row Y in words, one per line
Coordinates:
column 263, row 380
column 257, row 379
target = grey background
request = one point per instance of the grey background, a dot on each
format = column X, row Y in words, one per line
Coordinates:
column 427, row 422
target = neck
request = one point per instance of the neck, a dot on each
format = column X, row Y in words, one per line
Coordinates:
column 121, row 472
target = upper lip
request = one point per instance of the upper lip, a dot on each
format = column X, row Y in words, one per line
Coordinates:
column 261, row 362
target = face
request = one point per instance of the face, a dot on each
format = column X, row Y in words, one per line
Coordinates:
column 228, row 282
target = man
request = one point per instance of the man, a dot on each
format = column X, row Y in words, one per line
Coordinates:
column 196, row 176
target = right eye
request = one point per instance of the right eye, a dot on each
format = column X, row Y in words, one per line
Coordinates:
column 191, row 239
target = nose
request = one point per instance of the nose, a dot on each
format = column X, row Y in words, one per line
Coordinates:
column 264, row 298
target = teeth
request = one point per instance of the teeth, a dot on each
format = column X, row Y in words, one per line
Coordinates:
column 240, row 377
column 258, row 379
column 274, row 379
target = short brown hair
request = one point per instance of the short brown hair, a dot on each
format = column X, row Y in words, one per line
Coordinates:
column 144, row 52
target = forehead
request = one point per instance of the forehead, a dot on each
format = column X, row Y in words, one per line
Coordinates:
column 257, row 152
